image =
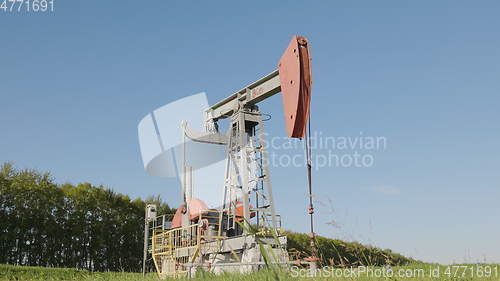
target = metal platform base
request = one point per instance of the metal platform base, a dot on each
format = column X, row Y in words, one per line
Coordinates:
column 241, row 254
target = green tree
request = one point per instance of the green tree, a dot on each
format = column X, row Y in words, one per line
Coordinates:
column 83, row 226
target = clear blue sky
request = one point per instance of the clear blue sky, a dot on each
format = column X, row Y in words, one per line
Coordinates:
column 424, row 74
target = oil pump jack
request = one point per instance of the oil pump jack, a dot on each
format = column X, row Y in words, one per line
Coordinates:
column 243, row 234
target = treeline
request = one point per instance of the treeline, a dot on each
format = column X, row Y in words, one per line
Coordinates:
column 93, row 228
column 83, row 226
column 335, row 252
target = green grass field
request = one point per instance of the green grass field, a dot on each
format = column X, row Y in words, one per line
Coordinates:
column 423, row 272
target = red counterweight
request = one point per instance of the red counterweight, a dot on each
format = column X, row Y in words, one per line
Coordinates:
column 295, row 78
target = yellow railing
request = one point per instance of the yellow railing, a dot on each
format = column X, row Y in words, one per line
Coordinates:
column 169, row 247
column 172, row 249
column 166, row 246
